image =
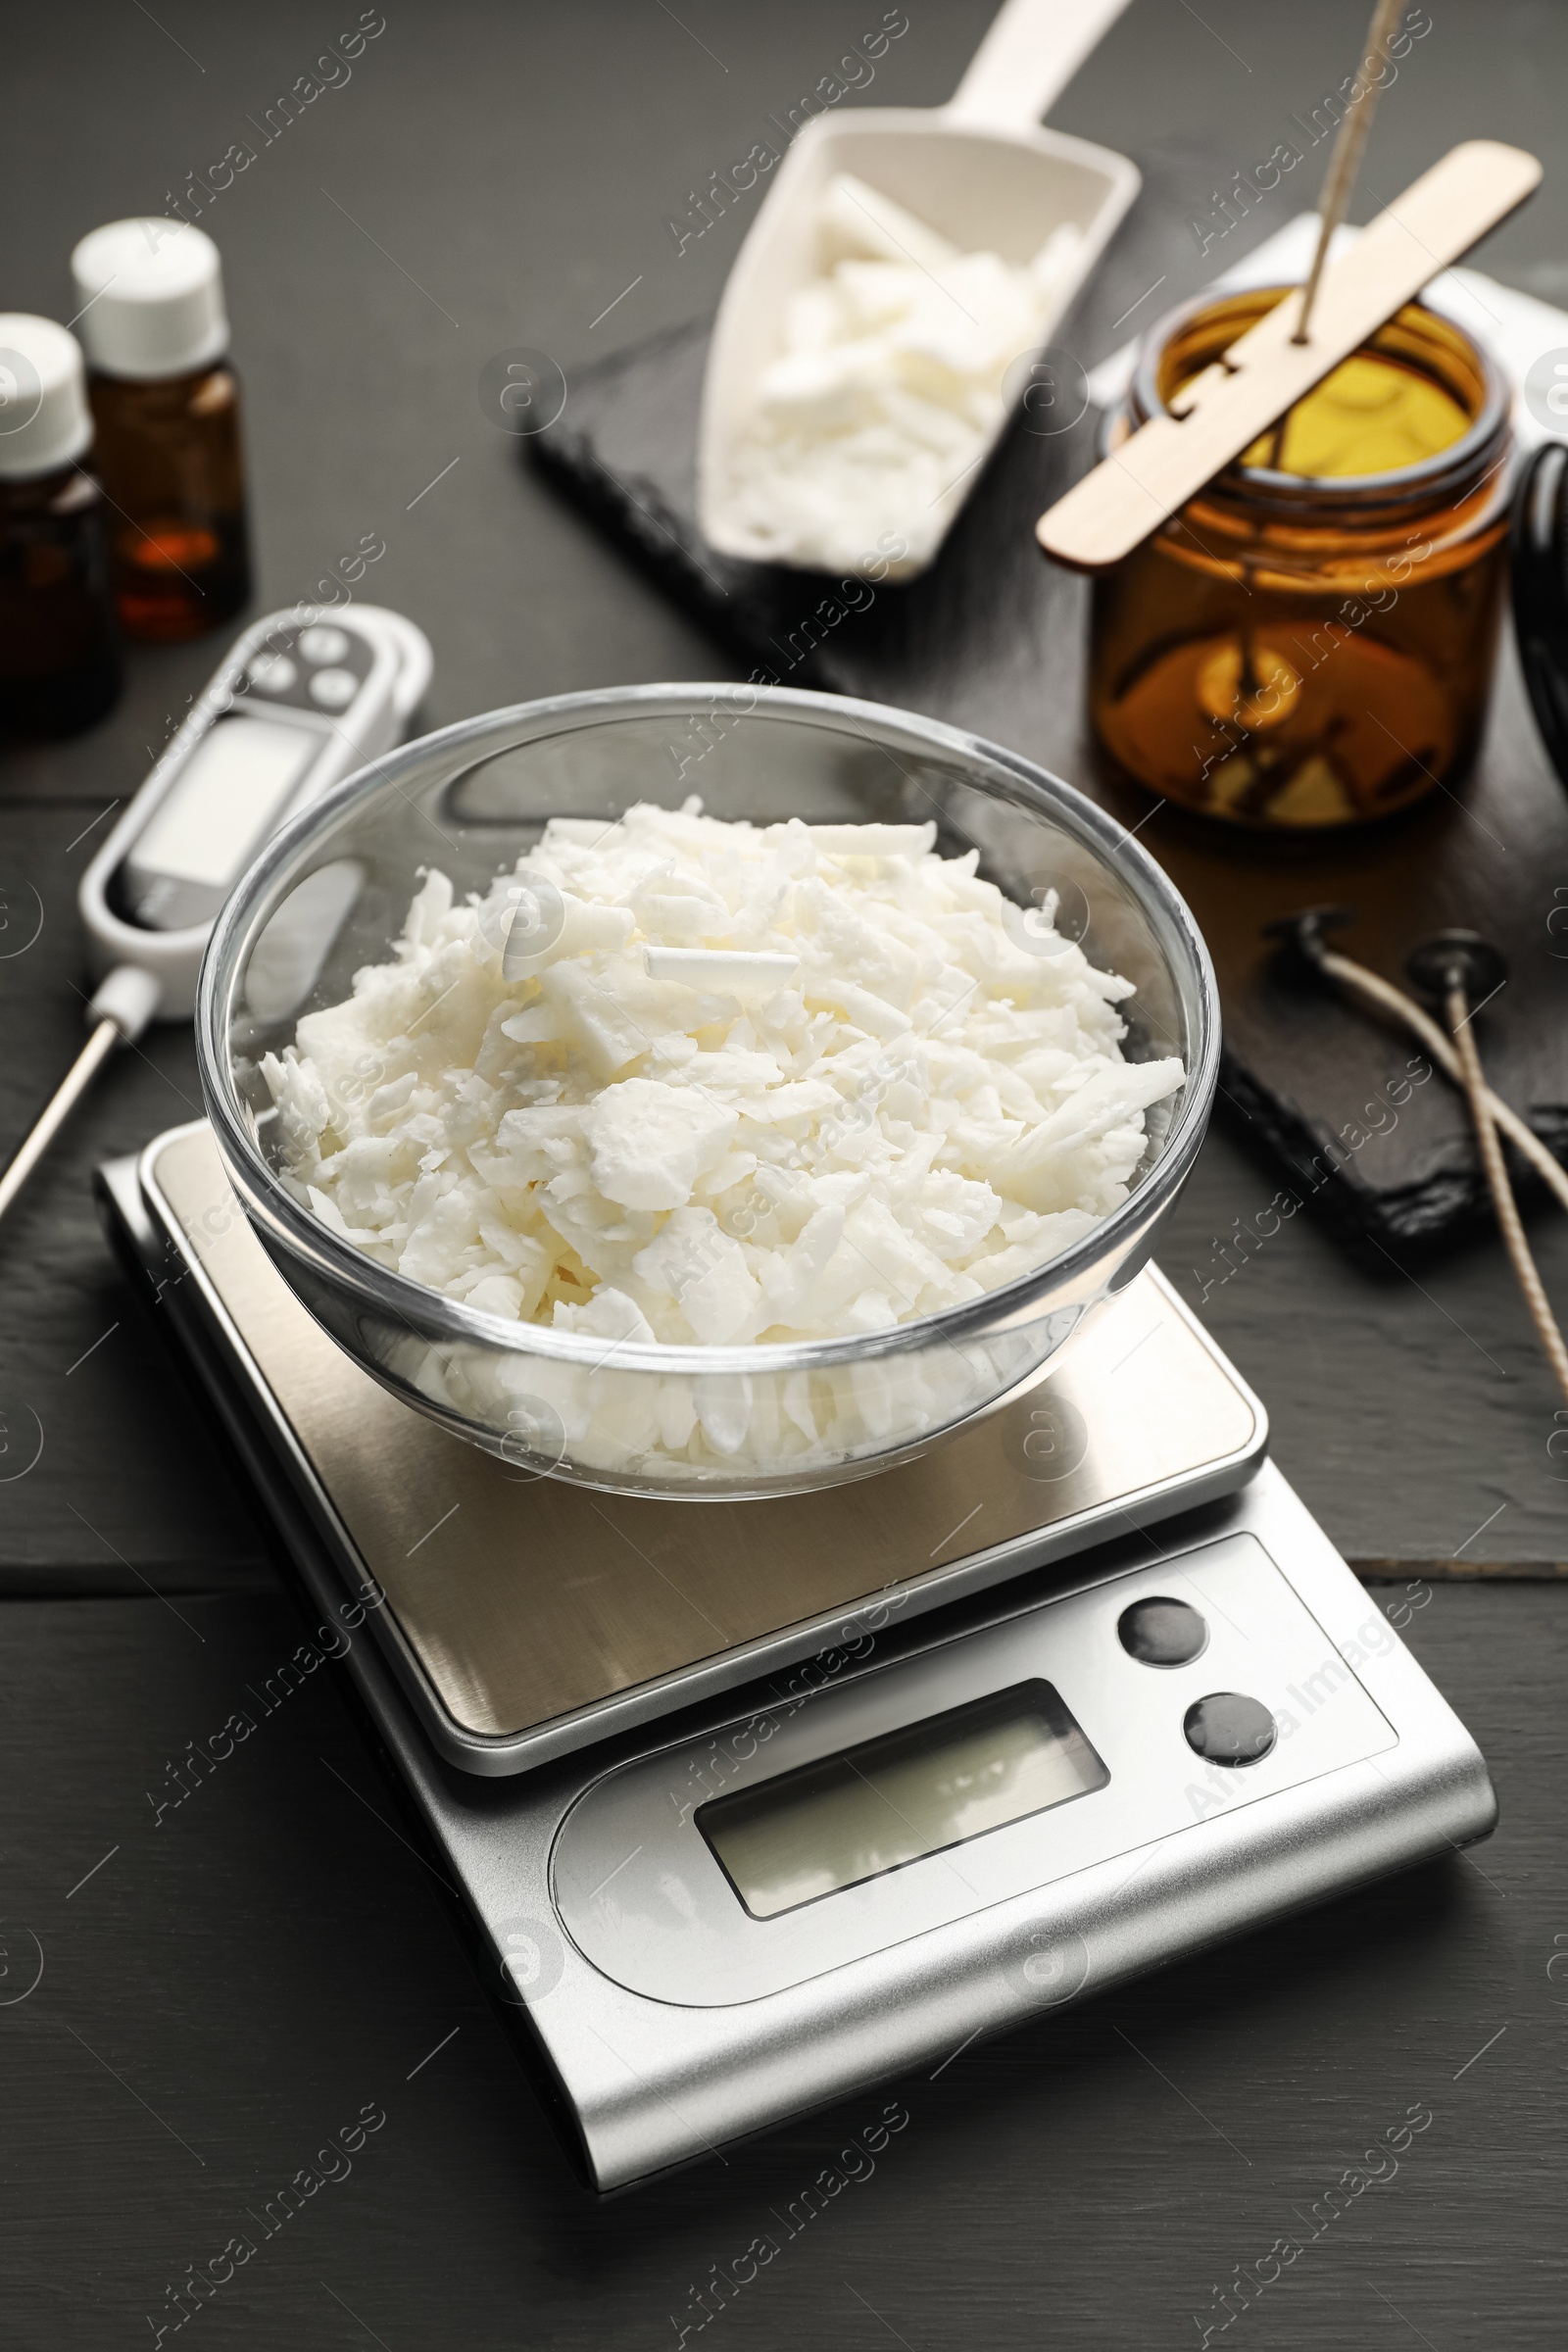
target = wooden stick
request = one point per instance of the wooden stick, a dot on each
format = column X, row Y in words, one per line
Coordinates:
column 1265, row 371
column 1346, row 160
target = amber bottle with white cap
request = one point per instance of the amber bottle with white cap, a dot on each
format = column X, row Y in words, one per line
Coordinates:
column 59, row 645
column 166, row 403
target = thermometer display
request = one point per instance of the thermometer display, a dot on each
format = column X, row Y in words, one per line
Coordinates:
column 229, row 795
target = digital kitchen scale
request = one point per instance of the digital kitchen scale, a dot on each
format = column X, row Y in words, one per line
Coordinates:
column 748, row 1805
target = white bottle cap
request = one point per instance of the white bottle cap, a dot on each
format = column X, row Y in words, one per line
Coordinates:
column 152, row 298
column 44, row 420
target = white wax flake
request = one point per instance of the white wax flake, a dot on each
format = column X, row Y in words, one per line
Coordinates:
column 750, row 973
column 870, row 841
column 546, row 926
column 870, row 421
column 868, row 1095
column 648, row 1142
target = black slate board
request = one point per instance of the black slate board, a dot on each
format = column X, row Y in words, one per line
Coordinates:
column 993, row 638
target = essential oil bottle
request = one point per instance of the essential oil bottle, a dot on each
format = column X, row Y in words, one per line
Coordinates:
column 165, row 404
column 58, row 646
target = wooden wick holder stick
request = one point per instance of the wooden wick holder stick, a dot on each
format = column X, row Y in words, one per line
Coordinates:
column 1267, row 372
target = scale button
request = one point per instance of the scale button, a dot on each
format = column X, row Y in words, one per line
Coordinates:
column 273, row 673
column 1227, row 1728
column 1162, row 1633
column 323, row 645
column 332, row 688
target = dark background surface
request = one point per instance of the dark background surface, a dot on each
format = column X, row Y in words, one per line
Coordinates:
column 232, row 1985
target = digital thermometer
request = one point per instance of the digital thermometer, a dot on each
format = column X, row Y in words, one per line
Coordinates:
column 300, row 701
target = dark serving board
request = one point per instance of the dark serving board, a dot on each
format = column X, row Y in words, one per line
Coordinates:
column 993, row 638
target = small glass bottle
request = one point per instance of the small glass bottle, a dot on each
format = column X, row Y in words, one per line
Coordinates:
column 166, row 408
column 59, row 663
column 1310, row 641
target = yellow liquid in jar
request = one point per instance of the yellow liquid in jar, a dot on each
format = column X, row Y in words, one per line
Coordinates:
column 1368, row 416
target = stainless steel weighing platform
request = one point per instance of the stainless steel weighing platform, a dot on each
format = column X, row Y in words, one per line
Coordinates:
column 746, row 1806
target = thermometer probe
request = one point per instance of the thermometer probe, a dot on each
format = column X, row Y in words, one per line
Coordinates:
column 297, row 705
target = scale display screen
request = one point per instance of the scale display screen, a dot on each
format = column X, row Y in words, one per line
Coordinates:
column 898, row 1798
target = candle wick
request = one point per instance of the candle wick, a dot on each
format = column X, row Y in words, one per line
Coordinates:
column 1346, row 160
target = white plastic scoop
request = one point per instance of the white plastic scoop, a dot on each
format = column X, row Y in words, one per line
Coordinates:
column 979, row 172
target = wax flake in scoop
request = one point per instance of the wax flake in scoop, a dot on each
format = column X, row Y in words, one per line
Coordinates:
column 733, row 1084
column 870, row 421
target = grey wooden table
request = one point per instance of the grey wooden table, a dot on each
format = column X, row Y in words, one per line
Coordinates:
column 226, row 1985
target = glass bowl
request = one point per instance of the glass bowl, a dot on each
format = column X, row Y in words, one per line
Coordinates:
column 330, row 892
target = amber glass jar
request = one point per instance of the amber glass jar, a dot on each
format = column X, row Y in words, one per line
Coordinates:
column 1305, row 649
